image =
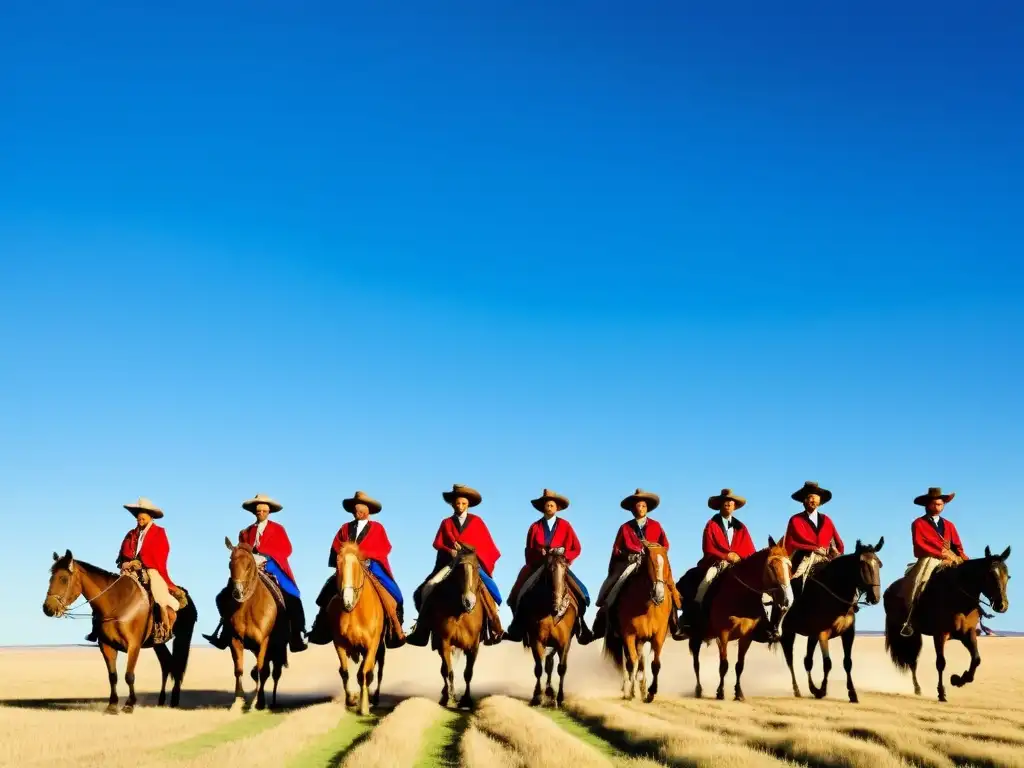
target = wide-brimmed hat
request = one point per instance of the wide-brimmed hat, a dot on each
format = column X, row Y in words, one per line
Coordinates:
column 144, row 505
column 652, row 499
column 361, row 498
column 933, row 493
column 469, row 494
column 715, row 502
column 812, row 487
column 549, row 495
column 259, row 498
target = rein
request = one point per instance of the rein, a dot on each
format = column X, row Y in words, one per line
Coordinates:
column 858, row 598
column 250, row 584
column 68, row 612
column 742, row 583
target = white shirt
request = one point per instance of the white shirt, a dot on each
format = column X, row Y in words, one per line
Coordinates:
column 641, row 522
column 360, row 524
column 935, row 520
column 813, row 517
column 727, row 522
column 551, row 522
column 260, row 528
column 462, row 518
column 142, row 535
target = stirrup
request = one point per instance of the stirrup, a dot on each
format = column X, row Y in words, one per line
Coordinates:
column 907, row 630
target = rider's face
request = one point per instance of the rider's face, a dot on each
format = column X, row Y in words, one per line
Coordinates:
column 143, row 519
column 812, row 502
column 361, row 512
column 550, row 509
column 935, row 506
column 640, row 509
column 728, row 507
column 262, row 512
column 460, row 505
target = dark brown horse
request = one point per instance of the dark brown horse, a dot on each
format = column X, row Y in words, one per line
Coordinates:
column 456, row 620
column 948, row 608
column 640, row 621
column 123, row 621
column 250, row 617
column 356, row 617
column 734, row 609
column 549, row 612
column 827, row 608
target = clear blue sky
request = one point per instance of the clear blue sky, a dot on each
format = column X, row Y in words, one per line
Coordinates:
column 301, row 251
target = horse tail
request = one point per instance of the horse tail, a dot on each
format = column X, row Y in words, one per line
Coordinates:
column 614, row 646
column 184, row 626
column 902, row 650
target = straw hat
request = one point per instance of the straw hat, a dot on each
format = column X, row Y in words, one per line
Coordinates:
column 812, row 487
column 144, row 505
column 361, row 498
column 715, row 502
column 652, row 499
column 259, row 498
column 933, row 493
column 549, row 495
column 469, row 494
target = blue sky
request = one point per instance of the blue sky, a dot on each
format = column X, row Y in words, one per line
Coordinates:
column 588, row 247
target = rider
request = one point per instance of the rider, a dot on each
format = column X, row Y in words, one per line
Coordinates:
column 936, row 545
column 549, row 534
column 462, row 528
column 271, row 548
column 626, row 554
column 375, row 547
column 145, row 547
column 726, row 541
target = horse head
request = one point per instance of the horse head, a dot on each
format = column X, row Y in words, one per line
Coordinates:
column 557, row 569
column 65, row 585
column 778, row 569
column 465, row 568
column 244, row 571
column 351, row 575
column 994, row 583
column 869, row 570
column 656, row 560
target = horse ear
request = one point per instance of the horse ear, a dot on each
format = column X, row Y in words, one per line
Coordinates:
column 56, row 557
column 988, row 552
column 859, row 548
column 228, row 544
column 1006, row 554
column 771, row 542
column 67, row 554
column 878, row 546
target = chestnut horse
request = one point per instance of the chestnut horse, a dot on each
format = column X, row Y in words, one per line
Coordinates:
column 640, row 621
column 948, row 608
column 733, row 609
column 456, row 620
column 251, row 619
column 122, row 617
column 549, row 618
column 827, row 608
column 356, row 618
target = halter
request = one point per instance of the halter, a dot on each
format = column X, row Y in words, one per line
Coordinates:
column 251, row 584
column 857, row 598
column 358, row 591
column 67, row 612
column 771, row 558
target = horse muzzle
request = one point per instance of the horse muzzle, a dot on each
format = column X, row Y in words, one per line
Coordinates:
column 469, row 602
column 53, row 608
column 1002, row 606
column 658, row 593
column 348, row 599
column 237, row 590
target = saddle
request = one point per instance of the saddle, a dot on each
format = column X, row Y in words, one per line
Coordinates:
column 275, row 589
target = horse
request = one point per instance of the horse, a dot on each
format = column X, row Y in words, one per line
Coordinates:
column 251, row 617
column 456, row 620
column 356, row 618
column 123, row 620
column 641, row 621
column 549, row 611
column 734, row 609
column 827, row 608
column 949, row 607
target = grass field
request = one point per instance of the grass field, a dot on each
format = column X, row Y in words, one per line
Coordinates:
column 52, row 702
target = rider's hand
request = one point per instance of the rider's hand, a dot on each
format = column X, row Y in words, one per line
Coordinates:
column 261, row 560
column 558, row 551
column 544, row 551
column 821, row 551
column 732, row 557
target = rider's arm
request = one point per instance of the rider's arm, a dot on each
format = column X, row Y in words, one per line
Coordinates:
column 838, row 541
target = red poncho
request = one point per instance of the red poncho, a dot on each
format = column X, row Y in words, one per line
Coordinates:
column 475, row 534
column 628, row 539
column 373, row 543
column 800, row 534
column 274, row 543
column 154, row 552
column 928, row 542
column 562, row 536
column 716, row 544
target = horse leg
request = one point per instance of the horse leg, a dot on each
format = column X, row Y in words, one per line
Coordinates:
column 788, row 639
column 744, row 644
column 641, row 667
column 366, row 677
column 466, row 702
column 549, row 670
column 563, row 666
column 129, row 677
column 238, row 657
column 848, row 636
column 656, row 647
column 110, row 656
column 343, row 672
column 940, row 660
column 166, row 663
column 278, row 664
column 264, row 673
column 538, row 669
column 723, row 663
column 826, row 663
column 631, row 663
column 381, row 648
column 446, row 672
column 970, row 642
column 695, row 652
column 809, row 664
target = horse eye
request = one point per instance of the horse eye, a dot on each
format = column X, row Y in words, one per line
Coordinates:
column 63, row 579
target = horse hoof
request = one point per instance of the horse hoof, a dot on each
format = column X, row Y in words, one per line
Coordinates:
column 854, row 699
column 650, row 697
column 111, row 709
column 550, row 693
column 351, row 701
column 260, row 706
column 740, row 697
column 820, row 694
column 466, row 702
column 796, row 692
column 535, row 701
column 917, row 691
column 720, row 695
column 443, row 701
column 956, row 680
column 128, row 708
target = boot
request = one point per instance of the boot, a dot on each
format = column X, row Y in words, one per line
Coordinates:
column 583, row 634
column 420, row 634
column 600, row 626
column 394, row 636
column 218, row 639
column 675, row 628
column 320, row 634
column 515, row 631
column 296, row 622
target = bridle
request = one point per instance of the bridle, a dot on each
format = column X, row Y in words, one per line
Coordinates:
column 250, row 583
column 357, row 591
column 66, row 610
column 767, row 563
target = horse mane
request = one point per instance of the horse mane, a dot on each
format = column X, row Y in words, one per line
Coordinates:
column 64, row 561
column 349, row 547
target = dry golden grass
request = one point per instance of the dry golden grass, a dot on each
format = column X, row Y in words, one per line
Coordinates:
column 53, row 699
column 398, row 739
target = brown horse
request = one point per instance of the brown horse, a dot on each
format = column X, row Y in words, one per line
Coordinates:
column 641, row 620
column 122, row 618
column 949, row 608
column 549, row 620
column 356, row 618
column 827, row 608
column 734, row 609
column 456, row 620
column 251, row 619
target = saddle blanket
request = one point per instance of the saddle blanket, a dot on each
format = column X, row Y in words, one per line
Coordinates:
column 533, row 578
column 445, row 572
column 282, row 579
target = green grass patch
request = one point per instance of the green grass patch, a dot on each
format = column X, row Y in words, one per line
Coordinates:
column 585, row 734
column 441, row 743
column 247, row 725
column 331, row 749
